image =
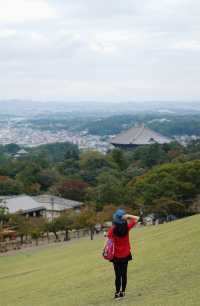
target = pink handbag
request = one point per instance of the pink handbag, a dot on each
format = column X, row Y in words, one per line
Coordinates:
column 108, row 251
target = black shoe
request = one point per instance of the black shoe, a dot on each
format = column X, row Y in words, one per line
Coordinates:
column 117, row 295
column 122, row 294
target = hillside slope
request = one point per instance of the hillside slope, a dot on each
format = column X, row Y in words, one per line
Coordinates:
column 165, row 272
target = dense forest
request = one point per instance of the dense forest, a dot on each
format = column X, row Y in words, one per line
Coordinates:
column 157, row 178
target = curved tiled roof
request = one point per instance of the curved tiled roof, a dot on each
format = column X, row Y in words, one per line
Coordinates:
column 139, row 135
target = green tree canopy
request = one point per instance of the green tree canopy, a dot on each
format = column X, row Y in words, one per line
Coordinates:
column 179, row 182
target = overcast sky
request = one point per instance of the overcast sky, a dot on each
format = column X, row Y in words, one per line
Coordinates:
column 105, row 50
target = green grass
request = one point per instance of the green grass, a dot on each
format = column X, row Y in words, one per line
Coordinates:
column 166, row 271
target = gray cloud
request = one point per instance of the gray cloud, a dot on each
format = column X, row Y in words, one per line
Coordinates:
column 90, row 49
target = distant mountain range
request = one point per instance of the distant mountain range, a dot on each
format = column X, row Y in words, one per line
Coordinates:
column 29, row 107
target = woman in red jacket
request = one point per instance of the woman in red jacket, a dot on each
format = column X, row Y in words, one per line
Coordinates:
column 119, row 233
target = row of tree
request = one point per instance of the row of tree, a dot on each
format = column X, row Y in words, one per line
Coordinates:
column 38, row 227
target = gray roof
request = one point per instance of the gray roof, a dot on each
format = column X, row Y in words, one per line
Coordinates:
column 139, row 135
column 19, row 203
column 44, row 202
column 22, row 151
column 57, row 202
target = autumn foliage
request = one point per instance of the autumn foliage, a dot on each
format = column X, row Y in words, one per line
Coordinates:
column 73, row 189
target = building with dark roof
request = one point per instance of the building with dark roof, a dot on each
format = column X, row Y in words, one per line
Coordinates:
column 20, row 153
column 138, row 136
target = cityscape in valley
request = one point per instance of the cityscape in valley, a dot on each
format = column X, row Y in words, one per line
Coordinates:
column 29, row 137
column 91, row 127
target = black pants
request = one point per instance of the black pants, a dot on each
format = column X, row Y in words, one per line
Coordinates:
column 120, row 275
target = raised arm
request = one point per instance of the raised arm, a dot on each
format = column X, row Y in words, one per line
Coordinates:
column 132, row 220
column 127, row 216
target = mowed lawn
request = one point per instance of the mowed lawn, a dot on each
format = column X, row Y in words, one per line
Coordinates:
column 165, row 271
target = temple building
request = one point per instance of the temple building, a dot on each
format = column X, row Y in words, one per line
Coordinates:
column 138, row 136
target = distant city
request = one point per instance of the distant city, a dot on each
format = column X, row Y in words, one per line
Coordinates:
column 29, row 137
column 90, row 127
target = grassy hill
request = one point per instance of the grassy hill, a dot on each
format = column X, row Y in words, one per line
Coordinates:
column 166, row 271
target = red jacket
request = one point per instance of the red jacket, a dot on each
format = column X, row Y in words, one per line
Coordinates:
column 122, row 244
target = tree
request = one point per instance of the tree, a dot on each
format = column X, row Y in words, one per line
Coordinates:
column 54, row 227
column 57, row 152
column 66, row 221
column 106, row 214
column 33, row 189
column 195, row 207
column 11, row 148
column 167, row 206
column 92, row 164
column 37, row 227
column 179, row 182
column 9, row 186
column 28, row 176
column 4, row 216
column 133, row 171
column 21, row 225
column 46, row 178
column 154, row 155
column 69, row 167
column 119, row 158
column 87, row 218
column 72, row 189
column 109, row 190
